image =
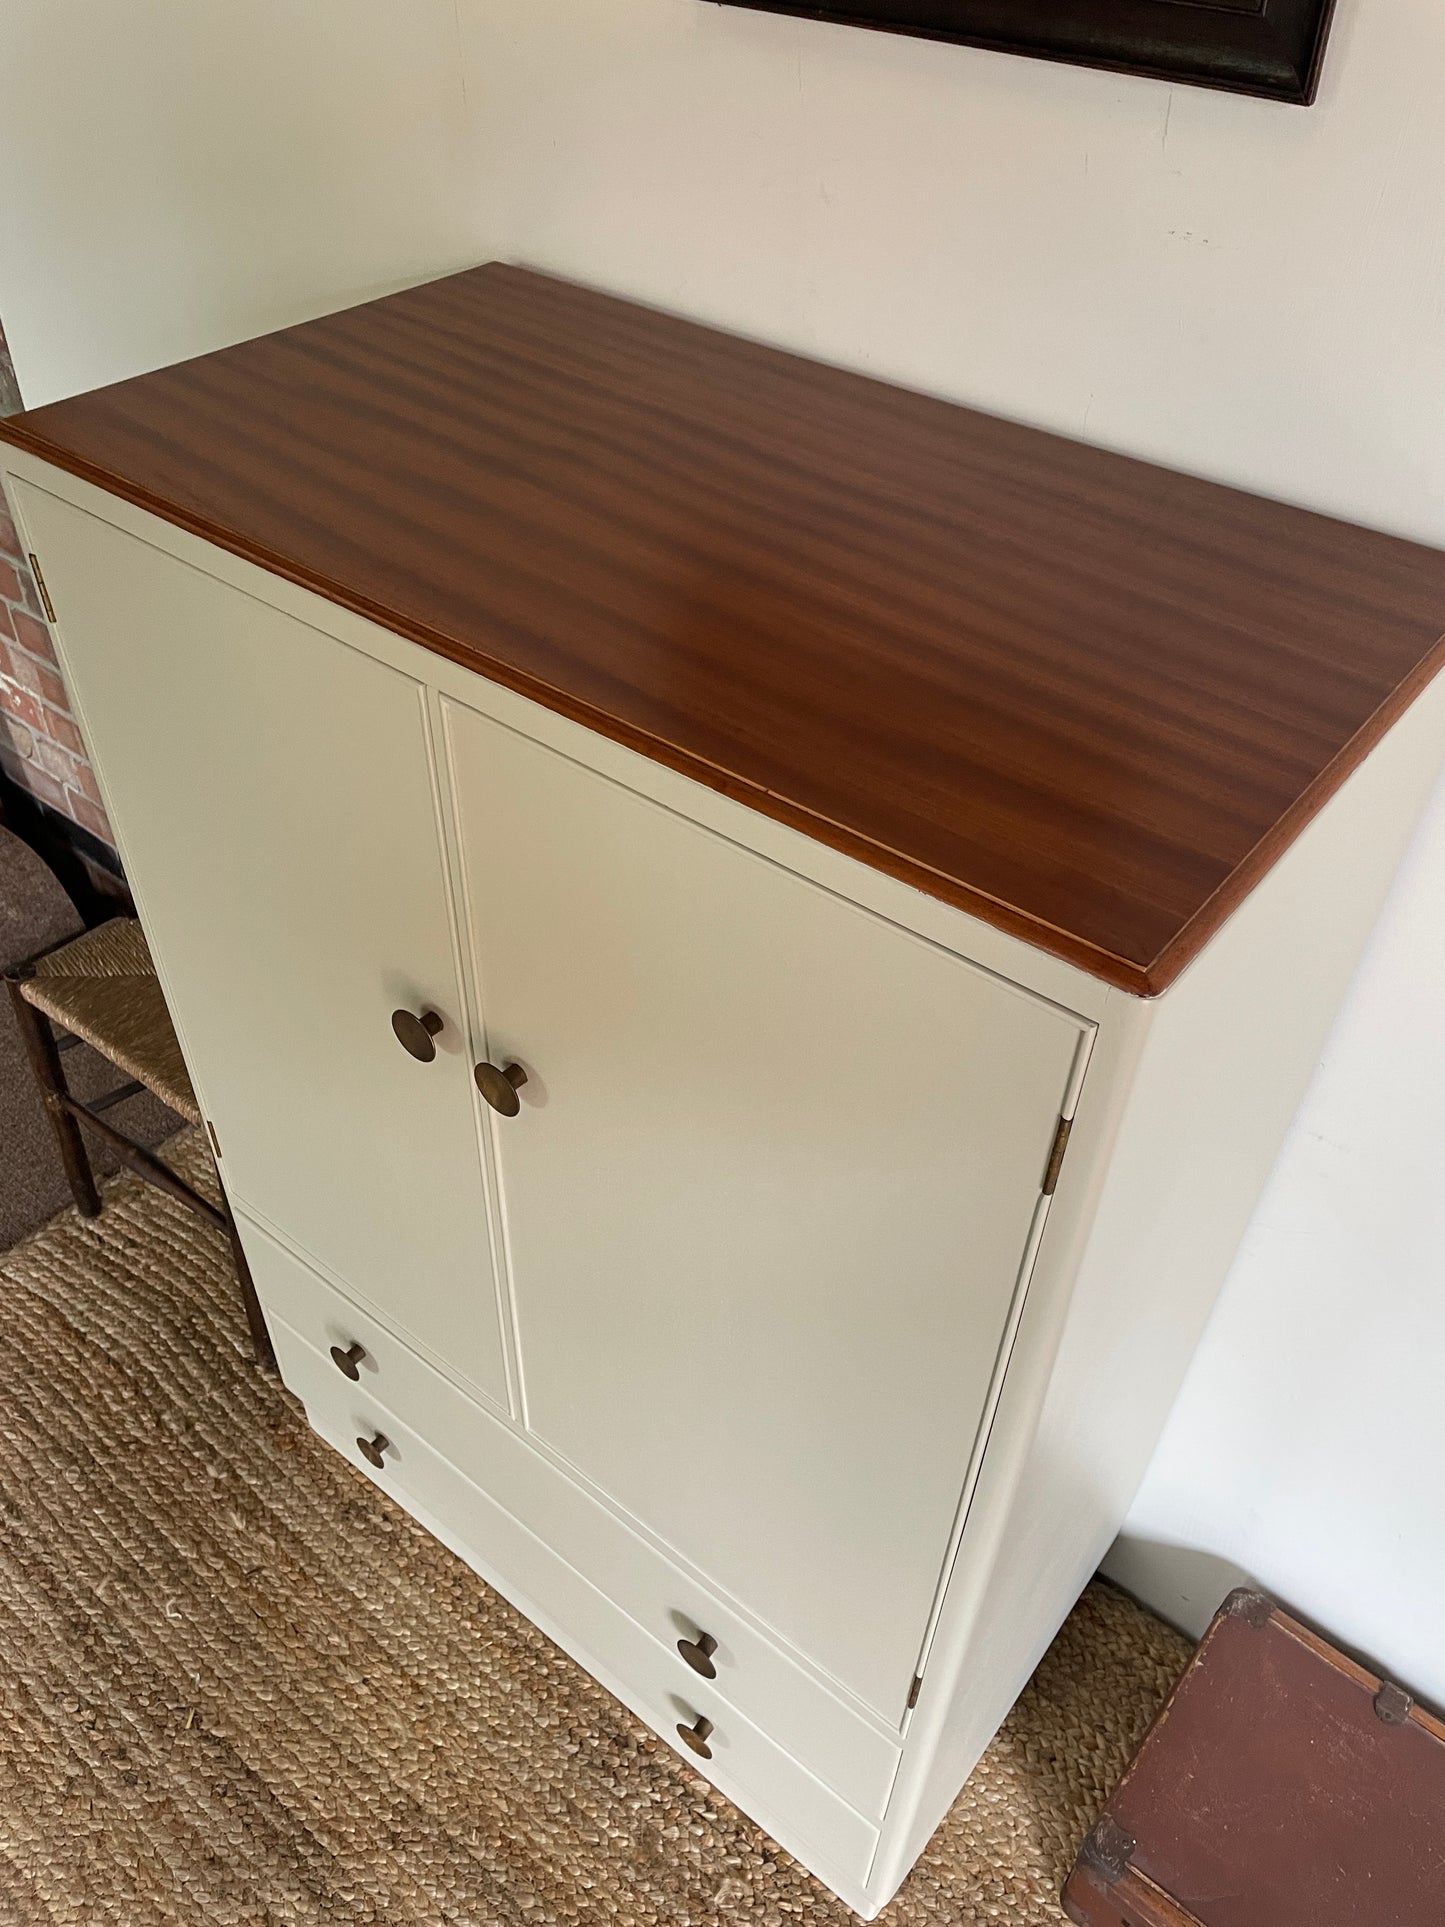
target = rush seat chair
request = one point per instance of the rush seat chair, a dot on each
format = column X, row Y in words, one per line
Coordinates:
column 101, row 989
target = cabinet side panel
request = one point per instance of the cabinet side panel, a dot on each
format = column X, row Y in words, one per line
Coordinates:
column 1226, row 1059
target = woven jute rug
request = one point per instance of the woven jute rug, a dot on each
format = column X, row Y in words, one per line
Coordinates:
column 237, row 1685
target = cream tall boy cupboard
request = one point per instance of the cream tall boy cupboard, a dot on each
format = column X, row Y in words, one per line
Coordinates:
column 747, row 941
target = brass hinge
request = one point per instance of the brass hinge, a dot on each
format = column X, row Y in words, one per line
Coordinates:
column 215, row 1141
column 914, row 1690
column 1056, row 1155
column 40, row 585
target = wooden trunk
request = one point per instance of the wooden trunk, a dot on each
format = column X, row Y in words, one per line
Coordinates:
column 1281, row 1786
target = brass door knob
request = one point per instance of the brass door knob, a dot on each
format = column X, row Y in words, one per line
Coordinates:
column 372, row 1449
column 698, row 1654
column 695, row 1736
column 500, row 1088
column 415, row 1033
column 349, row 1361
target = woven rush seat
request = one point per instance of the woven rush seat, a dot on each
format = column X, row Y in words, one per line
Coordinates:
column 103, row 988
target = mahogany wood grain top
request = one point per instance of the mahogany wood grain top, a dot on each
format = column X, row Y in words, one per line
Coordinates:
column 1086, row 699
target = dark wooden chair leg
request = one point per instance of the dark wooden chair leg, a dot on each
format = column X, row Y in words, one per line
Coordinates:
column 255, row 1317
column 67, row 1115
column 39, row 1040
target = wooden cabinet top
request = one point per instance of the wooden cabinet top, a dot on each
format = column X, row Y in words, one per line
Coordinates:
column 1085, row 698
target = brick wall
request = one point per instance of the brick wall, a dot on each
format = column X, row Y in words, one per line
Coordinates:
column 40, row 746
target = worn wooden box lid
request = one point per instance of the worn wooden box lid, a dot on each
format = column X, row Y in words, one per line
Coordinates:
column 1281, row 1786
column 1086, row 699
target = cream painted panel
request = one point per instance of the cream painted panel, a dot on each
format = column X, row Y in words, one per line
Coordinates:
column 273, row 795
column 747, row 1764
column 754, row 1676
column 1177, row 1132
column 767, row 1199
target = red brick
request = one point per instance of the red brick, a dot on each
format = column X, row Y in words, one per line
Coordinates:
column 91, row 818
column 52, row 688
column 84, row 781
column 29, row 594
column 49, row 791
column 21, row 703
column 37, row 677
column 32, row 673
column 32, row 635
column 25, row 671
column 9, row 535
column 60, row 729
column 7, row 625
column 10, row 590
column 7, row 670
column 15, row 737
column 54, row 761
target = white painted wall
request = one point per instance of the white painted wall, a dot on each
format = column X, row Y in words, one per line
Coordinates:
column 1234, row 287
column 1307, row 1449
column 1246, row 290
column 180, row 174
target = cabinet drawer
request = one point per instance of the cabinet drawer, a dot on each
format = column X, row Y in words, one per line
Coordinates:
column 746, row 1764
column 763, row 1682
column 381, row 1365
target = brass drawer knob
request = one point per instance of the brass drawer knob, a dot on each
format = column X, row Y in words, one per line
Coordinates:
column 500, row 1088
column 372, row 1449
column 695, row 1736
column 348, row 1362
column 415, row 1033
column 698, row 1654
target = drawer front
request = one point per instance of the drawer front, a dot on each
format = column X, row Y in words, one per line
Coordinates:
column 746, row 1764
column 751, row 1674
column 371, row 1358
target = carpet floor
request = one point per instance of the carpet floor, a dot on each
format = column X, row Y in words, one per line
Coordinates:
column 237, row 1685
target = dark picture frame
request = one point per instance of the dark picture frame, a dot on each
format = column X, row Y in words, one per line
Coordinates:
column 1271, row 48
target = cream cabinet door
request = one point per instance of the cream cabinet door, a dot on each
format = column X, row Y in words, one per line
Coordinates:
column 767, row 1196
column 273, row 793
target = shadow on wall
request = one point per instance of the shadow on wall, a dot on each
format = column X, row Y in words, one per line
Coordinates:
column 1182, row 1584
column 10, row 403
column 1187, row 1587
